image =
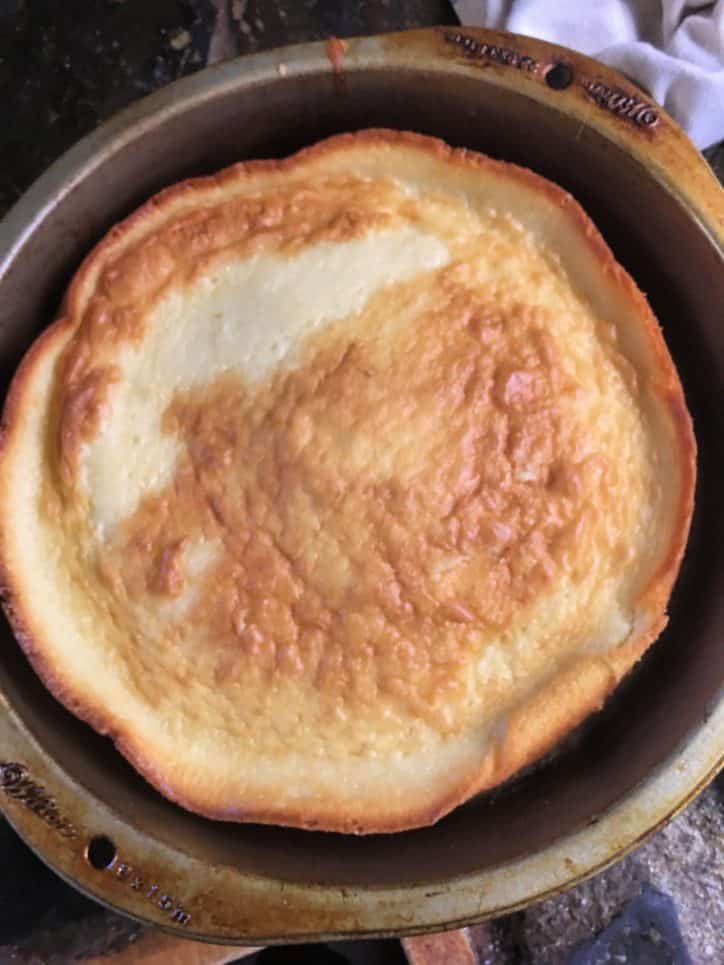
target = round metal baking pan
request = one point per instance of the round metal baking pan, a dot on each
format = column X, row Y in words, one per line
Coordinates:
column 655, row 744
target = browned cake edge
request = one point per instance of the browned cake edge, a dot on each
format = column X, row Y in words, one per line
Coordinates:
column 533, row 728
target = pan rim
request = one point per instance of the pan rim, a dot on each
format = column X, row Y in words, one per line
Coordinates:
column 464, row 899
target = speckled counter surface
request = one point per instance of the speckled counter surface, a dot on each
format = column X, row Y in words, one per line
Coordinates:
column 66, row 65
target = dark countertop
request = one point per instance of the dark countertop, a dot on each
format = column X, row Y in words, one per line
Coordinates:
column 65, row 67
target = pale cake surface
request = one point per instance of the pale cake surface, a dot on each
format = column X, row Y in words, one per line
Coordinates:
column 345, row 485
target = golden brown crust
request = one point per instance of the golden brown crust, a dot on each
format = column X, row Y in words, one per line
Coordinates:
column 541, row 720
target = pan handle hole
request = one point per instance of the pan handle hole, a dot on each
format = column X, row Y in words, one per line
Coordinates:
column 101, row 852
column 559, row 76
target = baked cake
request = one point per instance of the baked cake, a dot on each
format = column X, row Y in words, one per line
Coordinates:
column 345, row 485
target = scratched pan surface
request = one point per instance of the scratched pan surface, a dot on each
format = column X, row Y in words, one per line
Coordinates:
column 654, row 745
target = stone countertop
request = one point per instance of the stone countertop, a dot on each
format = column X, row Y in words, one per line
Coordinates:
column 65, row 67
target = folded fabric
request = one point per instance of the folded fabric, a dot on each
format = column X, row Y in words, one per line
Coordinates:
column 672, row 48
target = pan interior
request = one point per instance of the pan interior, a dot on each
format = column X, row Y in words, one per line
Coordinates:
column 673, row 261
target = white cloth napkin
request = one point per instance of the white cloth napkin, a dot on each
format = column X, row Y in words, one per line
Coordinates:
column 672, row 48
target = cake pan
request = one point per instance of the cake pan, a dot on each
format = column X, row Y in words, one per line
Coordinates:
column 658, row 742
